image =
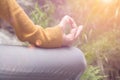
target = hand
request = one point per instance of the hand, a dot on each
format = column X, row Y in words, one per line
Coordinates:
column 73, row 35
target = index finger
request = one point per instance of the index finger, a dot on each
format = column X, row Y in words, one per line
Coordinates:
column 72, row 22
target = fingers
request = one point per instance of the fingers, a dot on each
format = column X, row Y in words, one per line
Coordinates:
column 73, row 36
column 75, row 31
column 68, row 20
column 72, row 22
column 64, row 21
column 78, row 31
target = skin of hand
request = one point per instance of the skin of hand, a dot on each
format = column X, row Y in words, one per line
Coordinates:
column 73, row 35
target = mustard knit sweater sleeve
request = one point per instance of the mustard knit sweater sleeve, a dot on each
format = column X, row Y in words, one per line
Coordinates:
column 25, row 29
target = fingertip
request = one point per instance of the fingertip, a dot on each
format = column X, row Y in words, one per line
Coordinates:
column 80, row 27
column 65, row 15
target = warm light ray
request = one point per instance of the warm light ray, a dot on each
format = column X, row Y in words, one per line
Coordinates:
column 107, row 1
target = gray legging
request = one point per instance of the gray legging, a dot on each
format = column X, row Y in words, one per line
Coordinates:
column 22, row 63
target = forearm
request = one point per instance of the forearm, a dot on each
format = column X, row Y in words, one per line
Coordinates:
column 25, row 29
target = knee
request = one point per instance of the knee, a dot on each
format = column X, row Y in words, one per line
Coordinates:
column 81, row 62
column 83, row 65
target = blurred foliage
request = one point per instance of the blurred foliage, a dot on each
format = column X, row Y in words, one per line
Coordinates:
column 42, row 15
column 103, row 43
column 104, row 52
column 92, row 73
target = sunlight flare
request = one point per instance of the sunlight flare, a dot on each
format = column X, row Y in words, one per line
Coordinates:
column 107, row 1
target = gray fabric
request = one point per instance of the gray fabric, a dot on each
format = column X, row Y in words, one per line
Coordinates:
column 22, row 63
